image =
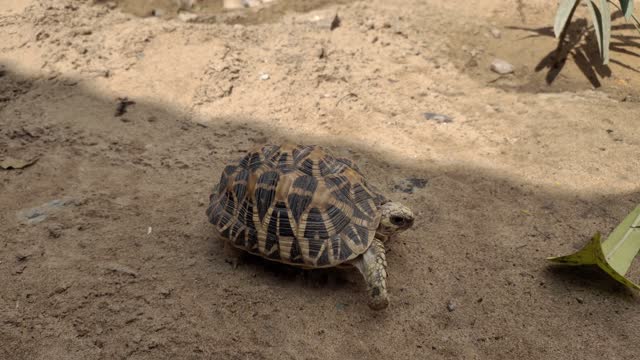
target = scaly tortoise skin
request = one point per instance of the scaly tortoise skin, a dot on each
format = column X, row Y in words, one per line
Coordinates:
column 302, row 206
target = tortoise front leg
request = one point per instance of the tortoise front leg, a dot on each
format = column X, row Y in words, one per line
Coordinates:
column 232, row 254
column 373, row 266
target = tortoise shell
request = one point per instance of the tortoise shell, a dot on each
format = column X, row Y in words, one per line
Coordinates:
column 296, row 204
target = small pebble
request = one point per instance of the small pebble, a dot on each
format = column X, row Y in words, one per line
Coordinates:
column 495, row 33
column 320, row 52
column 168, row 27
column 82, row 31
column 165, row 292
column 22, row 257
column 501, row 67
column 369, row 25
column 264, row 77
column 451, row 306
column 439, row 118
column 153, row 343
column 137, row 338
column 55, row 230
column 187, row 16
column 60, row 289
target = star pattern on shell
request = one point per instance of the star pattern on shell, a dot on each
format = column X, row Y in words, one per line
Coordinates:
column 296, row 204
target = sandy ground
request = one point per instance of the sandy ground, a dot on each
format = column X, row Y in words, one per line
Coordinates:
column 105, row 251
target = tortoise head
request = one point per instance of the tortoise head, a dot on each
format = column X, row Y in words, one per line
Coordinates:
column 395, row 219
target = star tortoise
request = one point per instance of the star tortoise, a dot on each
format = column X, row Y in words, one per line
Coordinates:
column 302, row 206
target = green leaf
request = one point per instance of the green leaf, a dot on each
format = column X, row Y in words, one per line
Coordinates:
column 597, row 22
column 613, row 255
column 602, row 25
column 565, row 10
column 627, row 8
column 606, row 29
column 623, row 243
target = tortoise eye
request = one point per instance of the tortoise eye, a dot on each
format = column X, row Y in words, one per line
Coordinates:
column 397, row 220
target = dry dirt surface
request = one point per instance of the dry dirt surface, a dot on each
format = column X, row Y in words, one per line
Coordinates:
column 120, row 125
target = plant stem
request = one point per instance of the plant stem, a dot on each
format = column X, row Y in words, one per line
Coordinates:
column 558, row 57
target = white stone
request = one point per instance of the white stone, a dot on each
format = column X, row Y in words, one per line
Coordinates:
column 501, row 67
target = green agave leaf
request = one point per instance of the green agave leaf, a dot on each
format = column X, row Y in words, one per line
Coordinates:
column 627, row 8
column 602, row 24
column 597, row 22
column 565, row 10
column 613, row 255
column 623, row 243
column 606, row 29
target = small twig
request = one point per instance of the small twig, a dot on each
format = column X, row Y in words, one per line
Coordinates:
column 226, row 52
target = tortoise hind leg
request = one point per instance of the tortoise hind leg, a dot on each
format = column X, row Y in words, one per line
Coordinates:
column 232, row 254
column 373, row 266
